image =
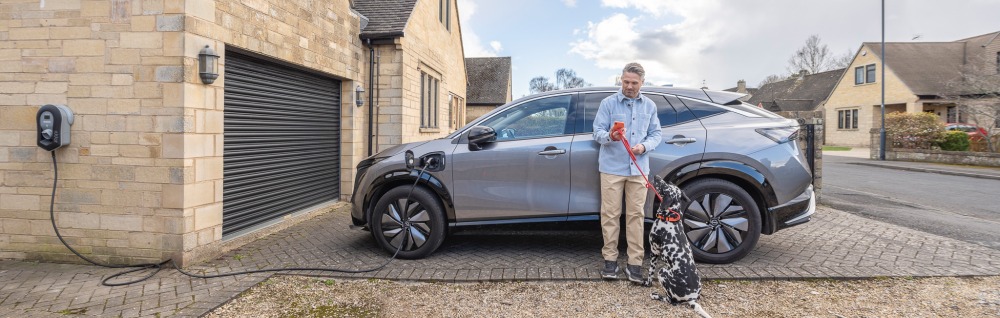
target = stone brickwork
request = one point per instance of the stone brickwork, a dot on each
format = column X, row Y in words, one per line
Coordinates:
column 142, row 179
column 866, row 98
column 428, row 47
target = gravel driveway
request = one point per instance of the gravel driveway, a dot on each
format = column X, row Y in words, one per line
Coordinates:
column 299, row 296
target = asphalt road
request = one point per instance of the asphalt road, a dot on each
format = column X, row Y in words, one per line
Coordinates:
column 962, row 208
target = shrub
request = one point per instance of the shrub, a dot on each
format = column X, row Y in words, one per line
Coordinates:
column 909, row 130
column 955, row 141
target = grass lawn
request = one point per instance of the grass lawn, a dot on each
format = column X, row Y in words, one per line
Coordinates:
column 836, row 148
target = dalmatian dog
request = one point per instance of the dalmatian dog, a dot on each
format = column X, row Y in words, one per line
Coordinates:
column 672, row 263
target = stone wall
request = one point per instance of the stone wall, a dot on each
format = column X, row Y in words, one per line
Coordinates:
column 815, row 119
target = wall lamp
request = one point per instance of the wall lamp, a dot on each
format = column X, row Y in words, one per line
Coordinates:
column 208, row 65
column 359, row 96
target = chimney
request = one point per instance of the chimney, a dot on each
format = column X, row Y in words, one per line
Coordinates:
column 803, row 73
column 741, row 87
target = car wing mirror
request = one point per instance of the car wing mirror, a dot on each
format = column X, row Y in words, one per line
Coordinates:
column 480, row 136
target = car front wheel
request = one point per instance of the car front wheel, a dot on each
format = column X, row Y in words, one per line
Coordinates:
column 416, row 224
column 722, row 221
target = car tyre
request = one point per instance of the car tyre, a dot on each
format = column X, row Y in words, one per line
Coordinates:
column 722, row 221
column 425, row 217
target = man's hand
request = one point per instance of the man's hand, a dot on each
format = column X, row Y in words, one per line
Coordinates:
column 616, row 135
column 638, row 149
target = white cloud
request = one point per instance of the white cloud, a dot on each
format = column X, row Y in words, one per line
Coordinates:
column 496, row 46
column 569, row 3
column 470, row 40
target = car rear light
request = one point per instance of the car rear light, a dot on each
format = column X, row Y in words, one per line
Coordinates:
column 780, row 135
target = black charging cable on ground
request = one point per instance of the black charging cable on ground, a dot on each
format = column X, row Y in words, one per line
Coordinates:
column 156, row 267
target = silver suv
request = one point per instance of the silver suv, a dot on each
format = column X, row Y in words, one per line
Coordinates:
column 535, row 160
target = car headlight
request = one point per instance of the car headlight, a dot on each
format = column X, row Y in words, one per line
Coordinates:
column 780, row 135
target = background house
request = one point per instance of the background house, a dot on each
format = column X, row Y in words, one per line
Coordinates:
column 419, row 65
column 803, row 92
column 919, row 77
column 163, row 165
column 489, row 84
column 741, row 87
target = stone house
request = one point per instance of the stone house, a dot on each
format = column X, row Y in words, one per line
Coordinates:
column 919, row 77
column 165, row 165
column 803, row 92
column 489, row 84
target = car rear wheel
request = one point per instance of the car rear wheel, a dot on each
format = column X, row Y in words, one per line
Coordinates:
column 722, row 221
column 416, row 224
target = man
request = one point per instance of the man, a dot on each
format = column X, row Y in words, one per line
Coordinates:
column 619, row 175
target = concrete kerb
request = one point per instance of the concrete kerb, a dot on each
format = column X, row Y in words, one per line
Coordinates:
column 938, row 171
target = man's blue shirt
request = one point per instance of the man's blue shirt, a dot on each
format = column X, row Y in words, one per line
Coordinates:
column 641, row 126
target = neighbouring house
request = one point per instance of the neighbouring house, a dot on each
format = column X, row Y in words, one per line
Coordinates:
column 802, row 92
column 163, row 164
column 741, row 87
column 919, row 77
column 419, row 69
column 489, row 84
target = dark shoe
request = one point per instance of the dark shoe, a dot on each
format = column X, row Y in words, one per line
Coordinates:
column 634, row 274
column 610, row 270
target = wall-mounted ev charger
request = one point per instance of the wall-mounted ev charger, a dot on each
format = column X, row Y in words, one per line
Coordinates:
column 53, row 126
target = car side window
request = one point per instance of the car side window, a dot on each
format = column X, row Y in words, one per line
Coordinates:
column 683, row 114
column 538, row 118
column 591, row 102
column 702, row 109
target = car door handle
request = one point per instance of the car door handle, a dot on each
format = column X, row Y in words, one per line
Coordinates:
column 680, row 140
column 552, row 152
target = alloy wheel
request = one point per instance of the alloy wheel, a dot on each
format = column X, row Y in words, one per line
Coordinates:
column 716, row 223
column 407, row 224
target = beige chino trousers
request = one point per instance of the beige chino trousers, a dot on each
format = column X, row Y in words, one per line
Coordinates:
column 612, row 187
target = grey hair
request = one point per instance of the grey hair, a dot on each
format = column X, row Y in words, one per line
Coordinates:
column 636, row 69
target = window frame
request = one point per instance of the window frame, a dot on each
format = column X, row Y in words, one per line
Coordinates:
column 847, row 119
column 429, row 89
column 859, row 75
column 870, row 73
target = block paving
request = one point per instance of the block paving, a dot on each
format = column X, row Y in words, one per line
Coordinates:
column 834, row 244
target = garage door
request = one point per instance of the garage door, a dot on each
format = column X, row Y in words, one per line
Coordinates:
column 282, row 138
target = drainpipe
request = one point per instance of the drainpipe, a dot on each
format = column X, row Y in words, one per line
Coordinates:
column 371, row 91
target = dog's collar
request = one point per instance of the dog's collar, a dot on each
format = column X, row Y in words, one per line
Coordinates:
column 671, row 216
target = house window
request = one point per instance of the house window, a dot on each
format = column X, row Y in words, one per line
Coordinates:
column 444, row 13
column 955, row 115
column 847, row 119
column 428, row 101
column 864, row 74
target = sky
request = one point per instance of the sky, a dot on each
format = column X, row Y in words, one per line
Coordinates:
column 691, row 43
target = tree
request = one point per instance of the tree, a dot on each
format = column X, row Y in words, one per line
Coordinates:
column 813, row 57
column 976, row 92
column 842, row 61
column 771, row 79
column 541, row 84
column 565, row 78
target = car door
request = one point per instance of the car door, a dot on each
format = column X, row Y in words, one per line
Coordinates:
column 526, row 172
column 683, row 137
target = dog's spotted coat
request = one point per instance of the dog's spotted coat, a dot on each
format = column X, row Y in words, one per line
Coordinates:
column 672, row 263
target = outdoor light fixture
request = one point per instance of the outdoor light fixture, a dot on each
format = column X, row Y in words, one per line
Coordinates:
column 358, row 99
column 207, row 65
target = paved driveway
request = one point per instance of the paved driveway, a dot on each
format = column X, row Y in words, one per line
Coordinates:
column 834, row 245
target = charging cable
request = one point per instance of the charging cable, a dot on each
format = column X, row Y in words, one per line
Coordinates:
column 156, row 267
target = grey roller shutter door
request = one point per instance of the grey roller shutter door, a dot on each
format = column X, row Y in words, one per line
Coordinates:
column 282, row 141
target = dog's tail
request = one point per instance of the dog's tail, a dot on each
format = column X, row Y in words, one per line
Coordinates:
column 697, row 308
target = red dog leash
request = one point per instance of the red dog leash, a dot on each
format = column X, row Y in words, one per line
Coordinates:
column 673, row 216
